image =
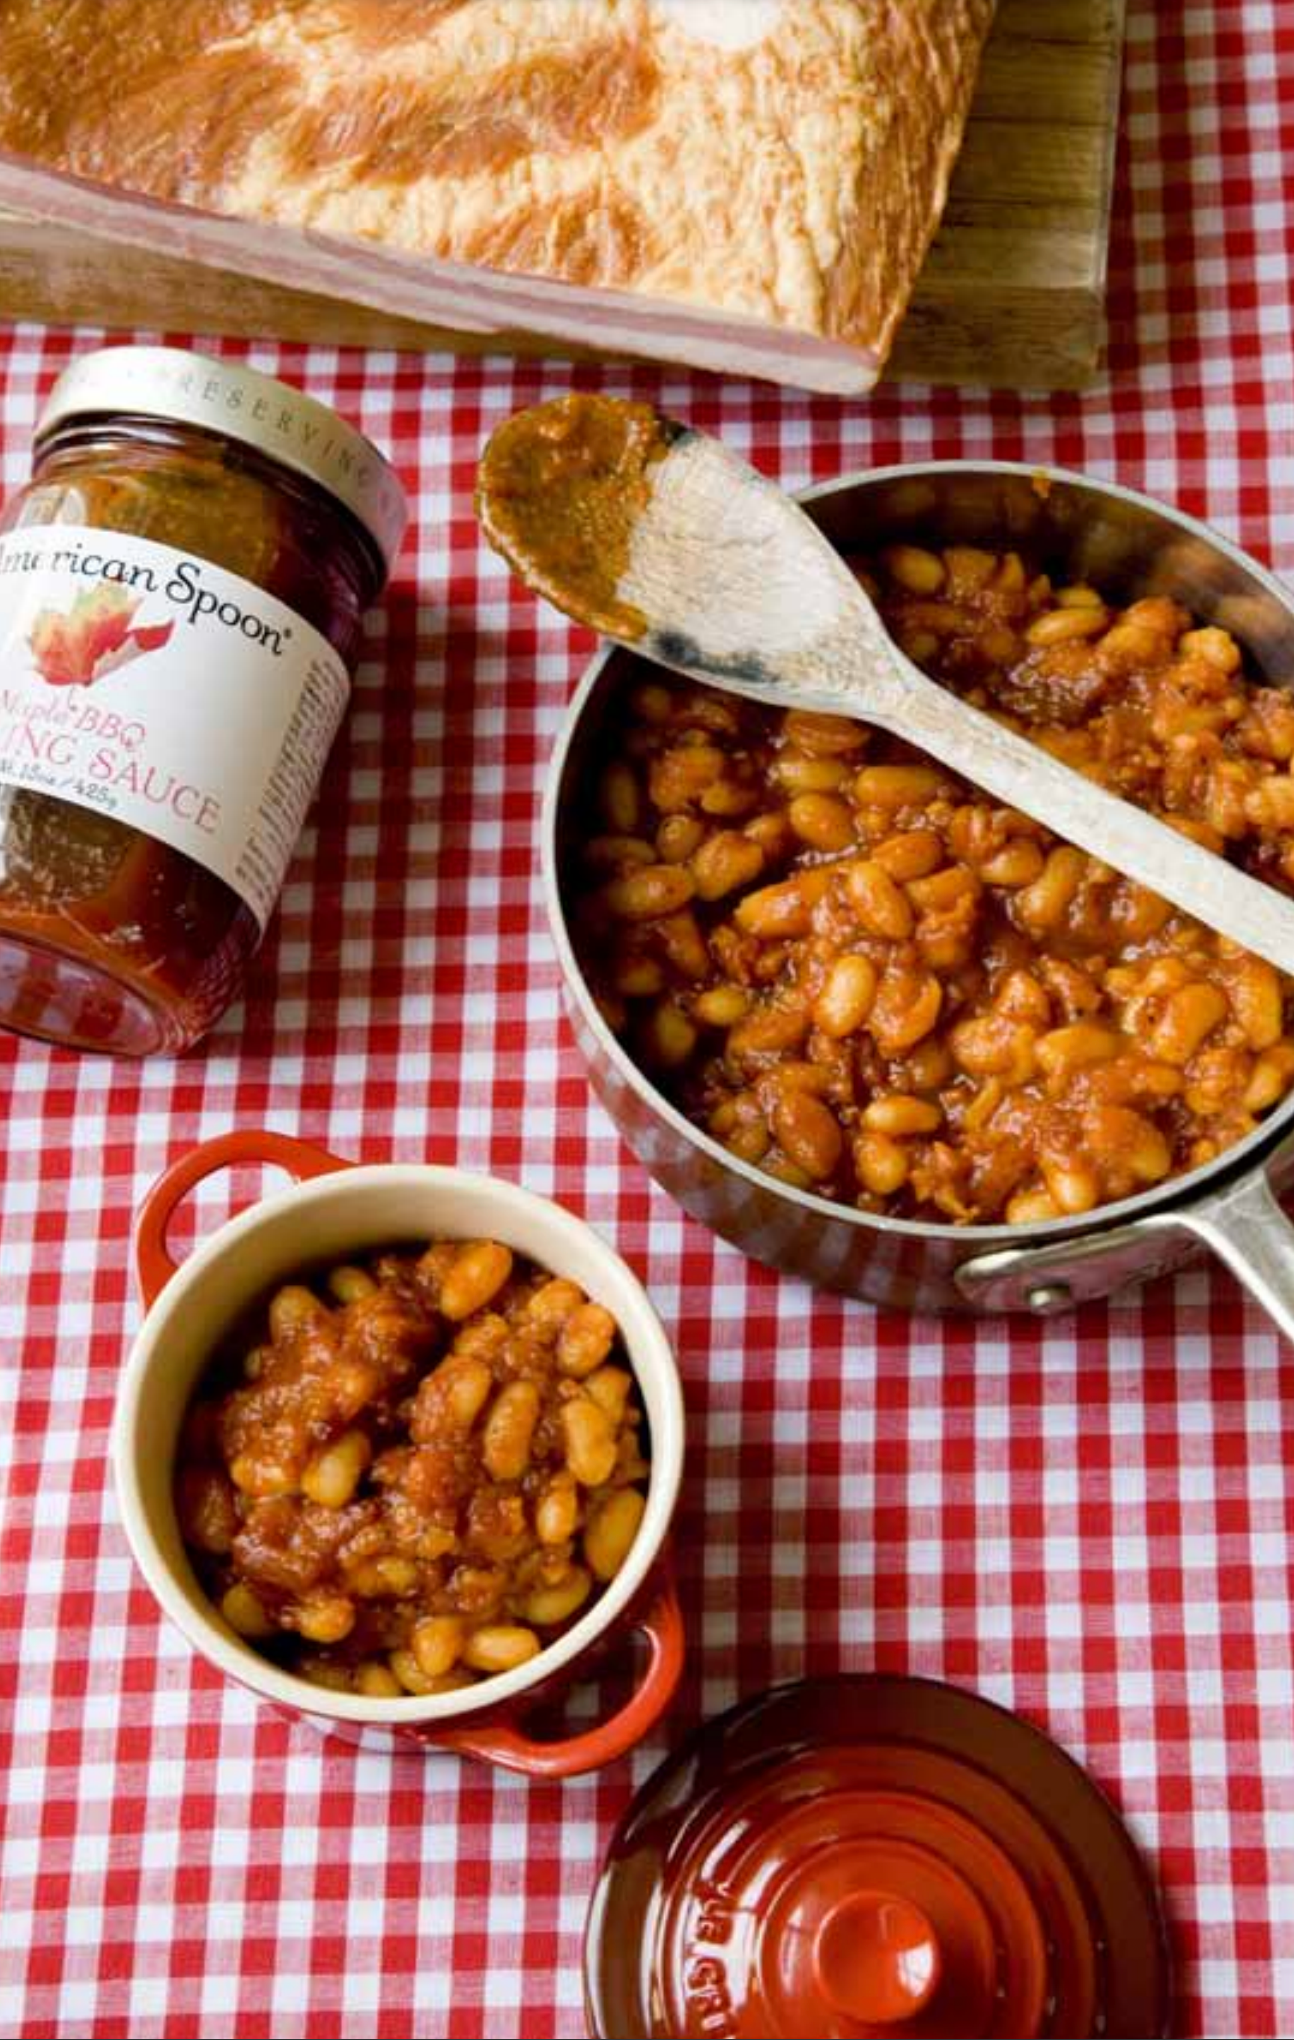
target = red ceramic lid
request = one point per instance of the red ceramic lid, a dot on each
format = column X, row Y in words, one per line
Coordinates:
column 873, row 1856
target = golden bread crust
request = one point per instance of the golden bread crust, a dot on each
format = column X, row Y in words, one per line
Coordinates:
column 787, row 160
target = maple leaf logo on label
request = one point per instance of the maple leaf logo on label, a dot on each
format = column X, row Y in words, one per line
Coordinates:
column 95, row 637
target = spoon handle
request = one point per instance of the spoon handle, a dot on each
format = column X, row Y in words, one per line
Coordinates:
column 1026, row 777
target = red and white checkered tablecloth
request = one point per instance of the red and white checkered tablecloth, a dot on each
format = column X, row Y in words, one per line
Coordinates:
column 1088, row 1520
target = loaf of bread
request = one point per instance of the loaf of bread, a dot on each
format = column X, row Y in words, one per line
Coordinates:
column 773, row 163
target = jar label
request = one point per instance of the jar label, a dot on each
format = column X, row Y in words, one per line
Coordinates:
column 156, row 688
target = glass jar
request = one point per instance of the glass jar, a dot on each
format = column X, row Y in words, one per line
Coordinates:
column 182, row 586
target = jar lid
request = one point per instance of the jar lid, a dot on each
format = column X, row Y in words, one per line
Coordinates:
column 239, row 403
column 873, row 1856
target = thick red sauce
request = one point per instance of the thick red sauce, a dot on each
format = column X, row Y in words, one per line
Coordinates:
column 108, row 938
column 417, row 1472
column 560, row 488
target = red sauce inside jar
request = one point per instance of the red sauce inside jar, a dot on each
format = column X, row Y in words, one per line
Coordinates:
column 111, row 938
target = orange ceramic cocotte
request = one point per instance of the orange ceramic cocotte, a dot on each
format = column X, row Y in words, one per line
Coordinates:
column 334, row 1210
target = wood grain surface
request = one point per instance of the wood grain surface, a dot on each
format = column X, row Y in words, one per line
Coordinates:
column 1012, row 296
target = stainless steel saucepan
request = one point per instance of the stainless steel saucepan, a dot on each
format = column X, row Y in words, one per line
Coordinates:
column 1128, row 546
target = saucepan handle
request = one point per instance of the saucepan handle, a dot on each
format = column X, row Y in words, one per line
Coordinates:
column 509, row 1746
column 154, row 1264
column 1244, row 1225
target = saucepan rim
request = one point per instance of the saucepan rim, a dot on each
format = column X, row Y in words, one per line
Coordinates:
column 1246, row 1157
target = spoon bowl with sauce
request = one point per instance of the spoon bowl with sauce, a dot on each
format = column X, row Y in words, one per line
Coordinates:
column 664, row 540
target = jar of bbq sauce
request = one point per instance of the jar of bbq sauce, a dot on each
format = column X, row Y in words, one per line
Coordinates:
column 182, row 586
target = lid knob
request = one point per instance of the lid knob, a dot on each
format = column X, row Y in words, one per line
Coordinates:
column 876, row 1959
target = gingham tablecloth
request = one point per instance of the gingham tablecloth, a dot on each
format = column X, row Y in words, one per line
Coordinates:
column 1088, row 1520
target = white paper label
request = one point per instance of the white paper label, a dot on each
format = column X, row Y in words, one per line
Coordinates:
column 156, row 688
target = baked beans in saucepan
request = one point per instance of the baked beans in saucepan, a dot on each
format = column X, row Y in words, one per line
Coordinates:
column 416, row 1472
column 862, row 976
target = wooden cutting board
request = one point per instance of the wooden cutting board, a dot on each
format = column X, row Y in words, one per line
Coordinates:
column 1012, row 296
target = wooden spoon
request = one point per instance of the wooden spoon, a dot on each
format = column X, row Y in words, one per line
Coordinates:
column 663, row 539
